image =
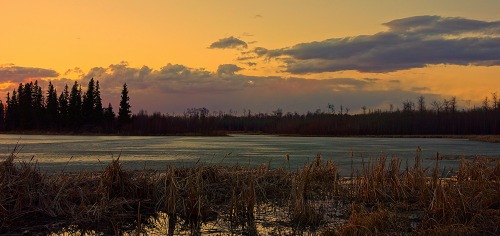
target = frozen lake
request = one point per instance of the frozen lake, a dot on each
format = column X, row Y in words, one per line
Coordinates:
column 89, row 153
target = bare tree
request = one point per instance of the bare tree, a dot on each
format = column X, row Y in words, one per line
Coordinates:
column 486, row 104
column 446, row 105
column 408, row 106
column 494, row 99
column 453, row 104
column 331, row 107
column 437, row 106
column 421, row 104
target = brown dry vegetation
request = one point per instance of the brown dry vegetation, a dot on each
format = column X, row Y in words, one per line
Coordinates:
column 381, row 198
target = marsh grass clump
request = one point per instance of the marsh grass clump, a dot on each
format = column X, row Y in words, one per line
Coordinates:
column 380, row 198
column 23, row 194
column 376, row 221
column 315, row 182
column 471, row 201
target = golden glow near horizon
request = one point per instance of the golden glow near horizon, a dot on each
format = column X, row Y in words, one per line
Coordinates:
column 72, row 37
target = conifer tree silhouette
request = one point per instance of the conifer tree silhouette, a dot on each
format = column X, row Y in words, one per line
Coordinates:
column 124, row 113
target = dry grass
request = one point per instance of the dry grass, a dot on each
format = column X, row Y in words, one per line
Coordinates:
column 380, row 198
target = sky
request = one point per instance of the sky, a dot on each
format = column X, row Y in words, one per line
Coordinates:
column 258, row 55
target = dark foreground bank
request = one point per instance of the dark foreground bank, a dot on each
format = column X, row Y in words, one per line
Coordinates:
column 382, row 197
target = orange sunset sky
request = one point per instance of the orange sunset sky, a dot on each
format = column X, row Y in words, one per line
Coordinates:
column 257, row 55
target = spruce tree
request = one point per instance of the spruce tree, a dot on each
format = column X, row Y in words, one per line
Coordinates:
column 109, row 118
column 37, row 98
column 52, row 106
column 75, row 106
column 98, row 110
column 12, row 113
column 26, row 111
column 124, row 113
column 89, row 102
column 109, row 114
column 38, row 106
column 63, row 106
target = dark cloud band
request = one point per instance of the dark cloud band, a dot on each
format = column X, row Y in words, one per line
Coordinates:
column 412, row 42
column 18, row 74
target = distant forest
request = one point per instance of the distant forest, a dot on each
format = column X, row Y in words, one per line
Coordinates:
column 30, row 109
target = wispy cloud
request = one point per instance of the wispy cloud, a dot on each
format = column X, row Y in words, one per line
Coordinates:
column 230, row 42
column 413, row 42
column 436, row 25
column 76, row 70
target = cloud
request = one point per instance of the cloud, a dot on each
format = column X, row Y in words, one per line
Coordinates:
column 436, row 25
column 413, row 42
column 228, row 69
column 18, row 74
column 230, row 42
column 76, row 70
column 371, row 79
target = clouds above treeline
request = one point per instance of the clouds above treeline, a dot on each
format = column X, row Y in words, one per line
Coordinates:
column 177, row 87
column 174, row 88
column 412, row 42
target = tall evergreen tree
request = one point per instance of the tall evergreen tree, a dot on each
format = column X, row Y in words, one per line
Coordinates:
column 26, row 111
column 52, row 106
column 89, row 103
column 37, row 103
column 75, row 106
column 124, row 113
column 12, row 113
column 98, row 110
column 63, row 106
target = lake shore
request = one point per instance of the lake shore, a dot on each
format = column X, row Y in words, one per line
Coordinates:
column 481, row 138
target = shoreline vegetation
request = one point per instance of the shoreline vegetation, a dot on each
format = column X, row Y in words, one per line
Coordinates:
column 384, row 196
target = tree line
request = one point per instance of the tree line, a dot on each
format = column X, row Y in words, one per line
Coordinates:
column 415, row 118
column 27, row 108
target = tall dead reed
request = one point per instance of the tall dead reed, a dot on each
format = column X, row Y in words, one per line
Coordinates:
column 315, row 182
